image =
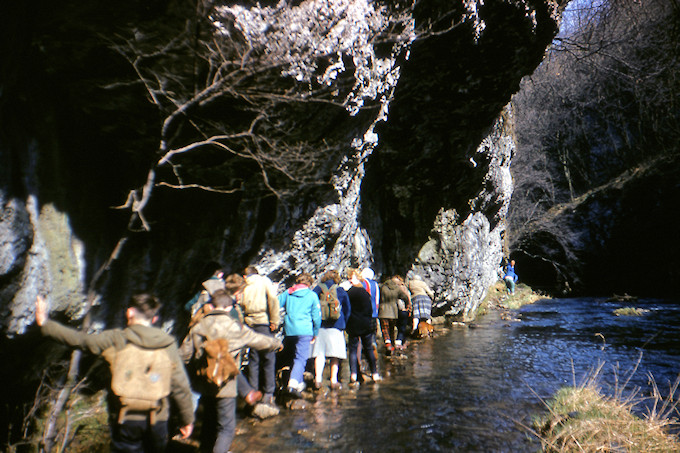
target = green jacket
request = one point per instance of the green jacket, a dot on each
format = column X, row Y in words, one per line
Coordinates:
column 108, row 342
column 390, row 293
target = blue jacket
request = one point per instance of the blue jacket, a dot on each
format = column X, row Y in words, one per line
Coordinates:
column 345, row 308
column 374, row 290
column 303, row 312
column 510, row 272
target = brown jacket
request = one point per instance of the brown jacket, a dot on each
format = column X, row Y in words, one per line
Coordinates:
column 108, row 342
column 220, row 324
column 259, row 301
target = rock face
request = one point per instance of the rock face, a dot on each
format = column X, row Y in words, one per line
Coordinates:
column 415, row 177
column 461, row 259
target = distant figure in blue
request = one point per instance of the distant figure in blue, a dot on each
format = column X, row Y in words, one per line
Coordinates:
column 510, row 277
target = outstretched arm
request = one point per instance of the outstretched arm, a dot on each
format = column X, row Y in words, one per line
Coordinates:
column 95, row 343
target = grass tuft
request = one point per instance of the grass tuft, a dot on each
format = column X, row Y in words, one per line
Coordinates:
column 581, row 418
column 630, row 311
column 498, row 297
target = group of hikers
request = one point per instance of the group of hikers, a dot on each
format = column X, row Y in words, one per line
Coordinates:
column 246, row 340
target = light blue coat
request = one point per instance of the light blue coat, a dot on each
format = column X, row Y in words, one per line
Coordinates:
column 303, row 312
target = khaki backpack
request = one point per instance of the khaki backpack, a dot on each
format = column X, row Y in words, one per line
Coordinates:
column 140, row 378
column 216, row 365
column 330, row 304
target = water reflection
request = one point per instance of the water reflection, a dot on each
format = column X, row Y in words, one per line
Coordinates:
column 468, row 389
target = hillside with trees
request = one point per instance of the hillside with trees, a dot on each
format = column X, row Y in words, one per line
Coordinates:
column 596, row 190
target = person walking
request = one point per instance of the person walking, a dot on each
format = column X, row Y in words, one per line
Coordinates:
column 373, row 288
column 510, row 277
column 388, row 312
column 360, row 328
column 331, row 340
column 301, row 324
column 404, row 308
column 260, row 307
column 421, row 298
column 146, row 372
column 219, row 401
column 209, row 284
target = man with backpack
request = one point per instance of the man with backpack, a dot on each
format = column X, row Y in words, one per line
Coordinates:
column 330, row 343
column 214, row 345
column 261, row 310
column 145, row 370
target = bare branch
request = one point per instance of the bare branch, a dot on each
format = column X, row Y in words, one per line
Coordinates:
column 198, row 186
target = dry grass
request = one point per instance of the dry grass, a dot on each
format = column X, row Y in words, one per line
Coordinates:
column 90, row 425
column 582, row 419
column 630, row 311
column 81, row 428
column 497, row 296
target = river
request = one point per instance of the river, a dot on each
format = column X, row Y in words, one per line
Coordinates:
column 470, row 389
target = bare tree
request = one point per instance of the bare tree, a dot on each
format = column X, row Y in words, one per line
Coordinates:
column 257, row 81
column 602, row 102
column 249, row 100
column 254, row 92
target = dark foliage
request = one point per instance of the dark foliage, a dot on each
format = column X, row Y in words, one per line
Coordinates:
column 600, row 107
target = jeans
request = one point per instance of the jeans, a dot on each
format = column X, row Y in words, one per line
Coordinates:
column 510, row 283
column 303, row 348
column 367, row 346
column 242, row 385
column 137, row 436
column 219, row 423
column 403, row 326
column 262, row 364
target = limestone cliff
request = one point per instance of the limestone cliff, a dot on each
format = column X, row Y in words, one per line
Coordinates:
column 397, row 159
column 413, row 174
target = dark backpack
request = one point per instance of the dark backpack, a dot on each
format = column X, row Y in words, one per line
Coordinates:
column 216, row 365
column 330, row 304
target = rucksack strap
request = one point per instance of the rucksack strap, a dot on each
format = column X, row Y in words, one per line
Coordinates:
column 151, row 412
column 366, row 285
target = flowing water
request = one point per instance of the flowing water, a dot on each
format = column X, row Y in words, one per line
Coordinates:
column 471, row 389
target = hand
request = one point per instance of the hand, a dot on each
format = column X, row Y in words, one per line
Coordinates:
column 313, row 340
column 40, row 310
column 272, row 327
column 186, row 431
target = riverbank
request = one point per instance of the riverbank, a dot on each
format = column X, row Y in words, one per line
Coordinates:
column 498, row 298
column 470, row 389
column 583, row 419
